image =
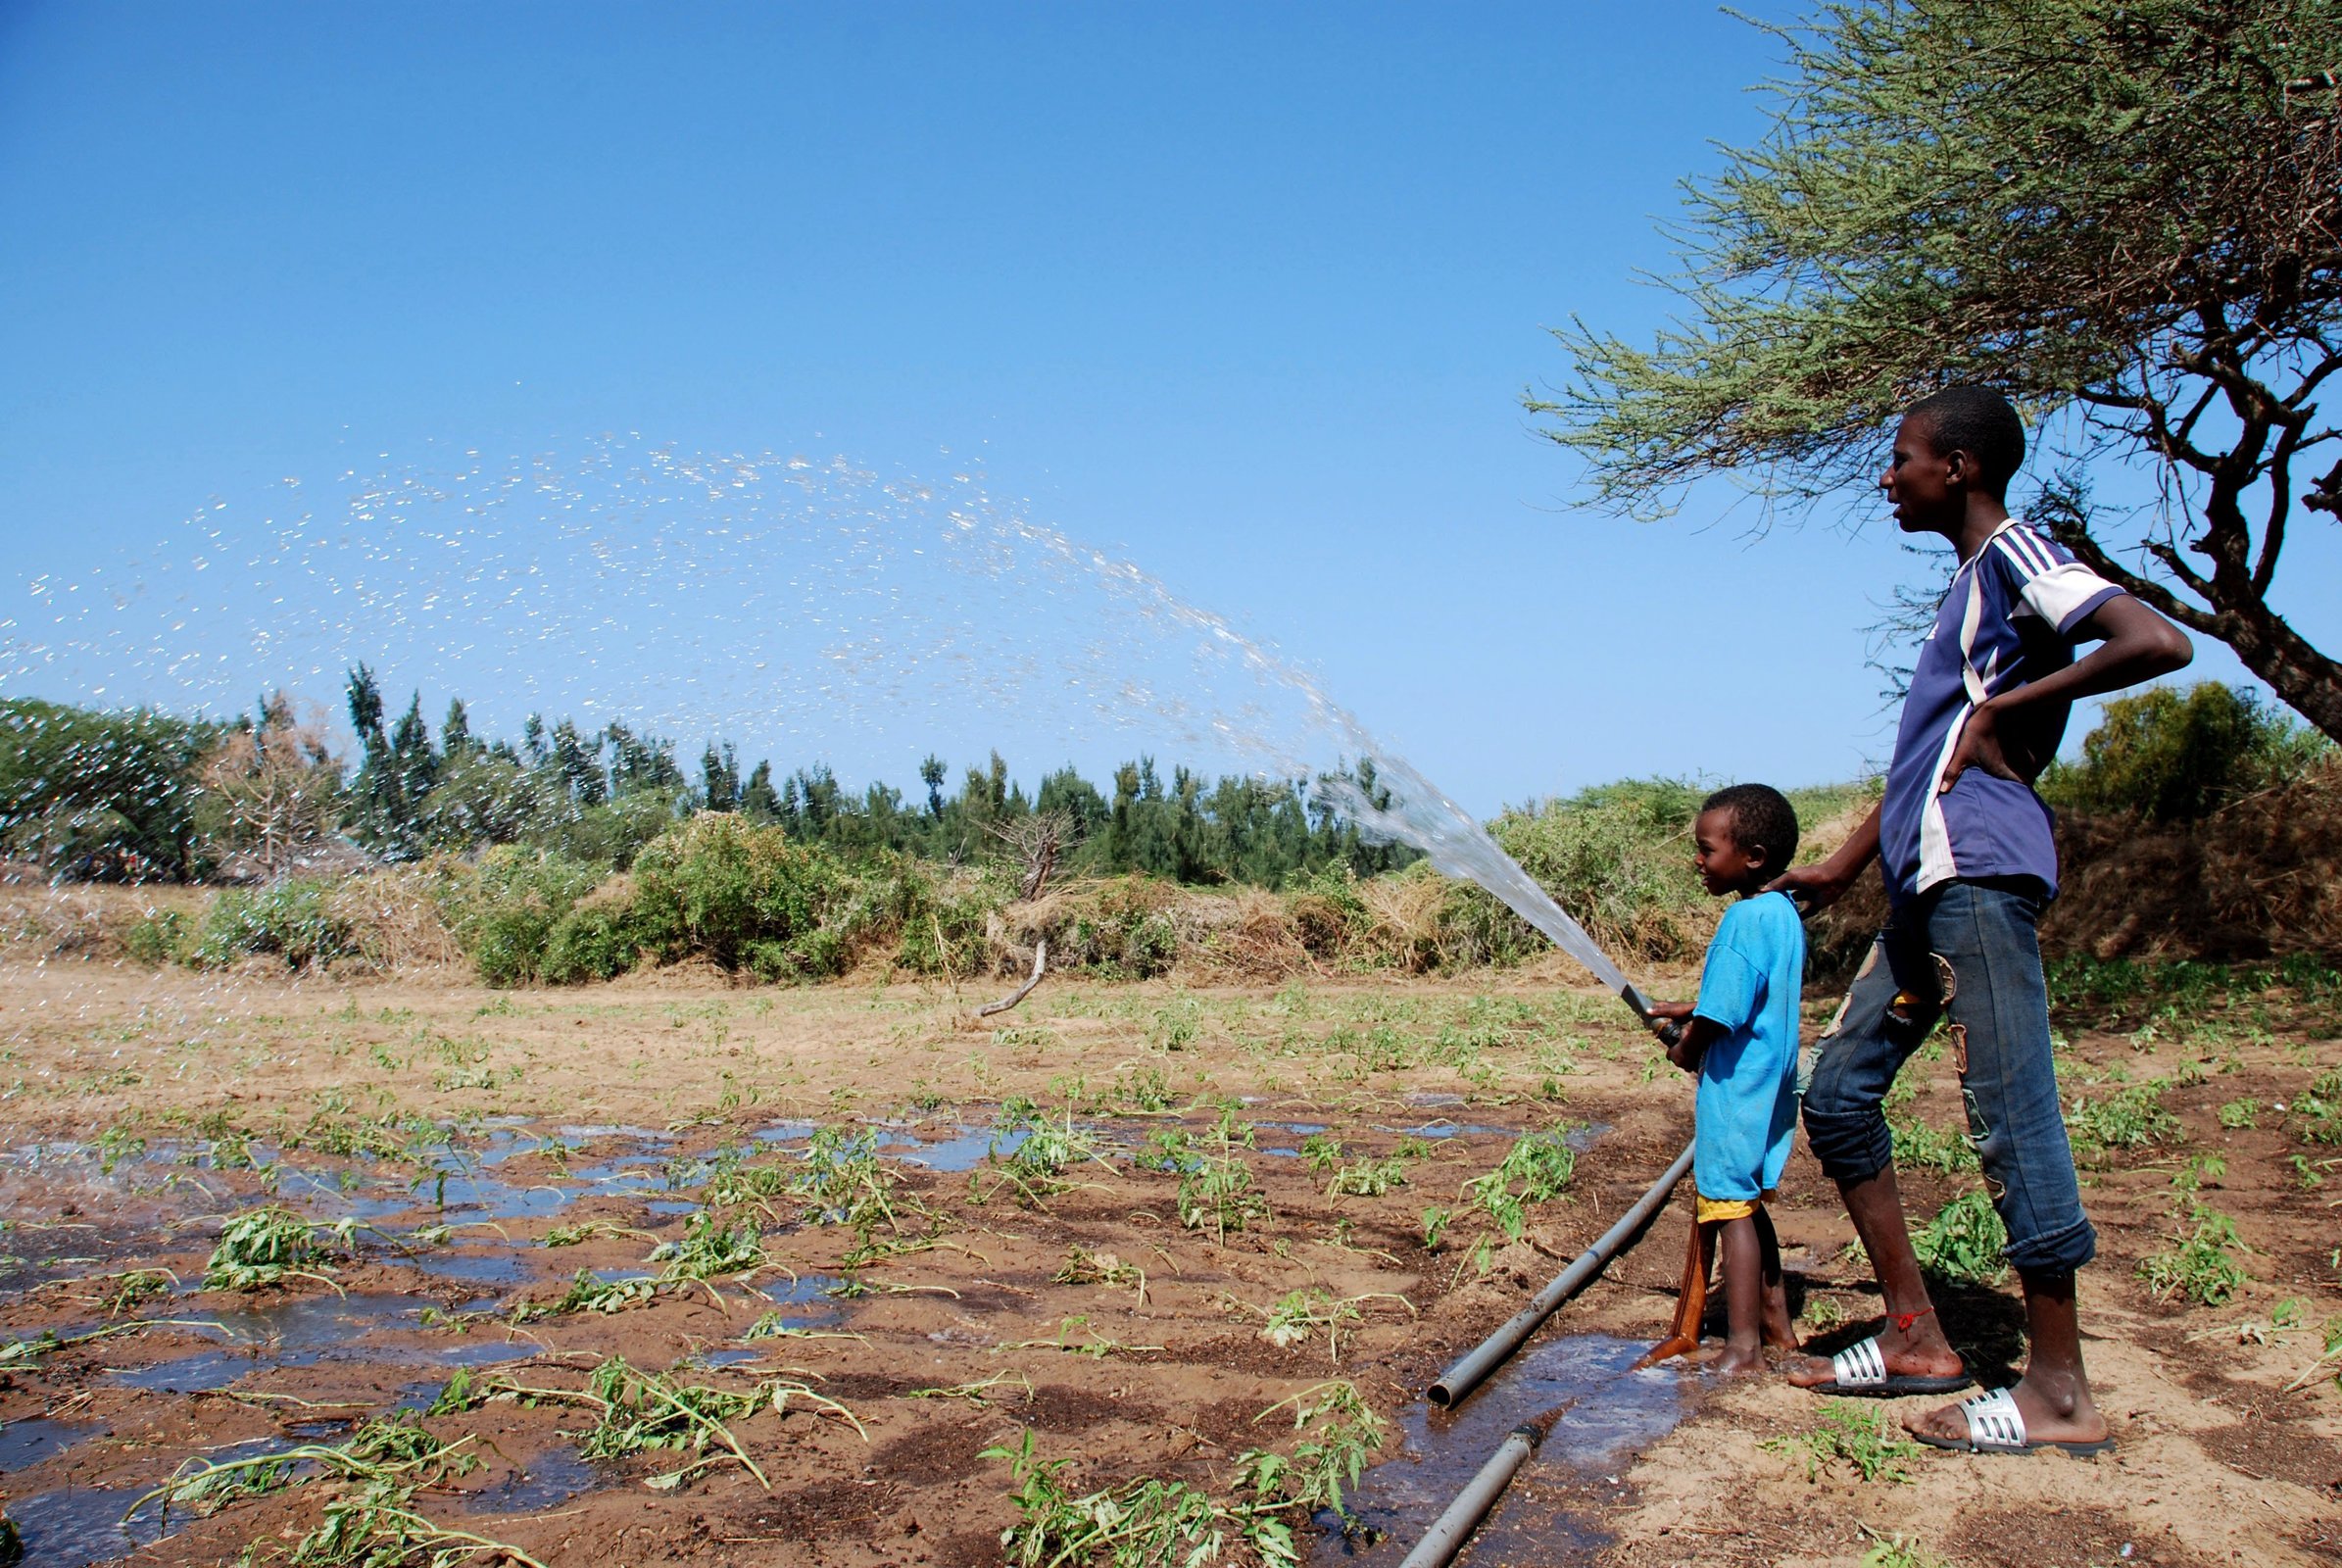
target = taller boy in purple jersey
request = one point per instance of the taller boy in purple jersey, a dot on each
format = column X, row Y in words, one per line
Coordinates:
column 1966, row 848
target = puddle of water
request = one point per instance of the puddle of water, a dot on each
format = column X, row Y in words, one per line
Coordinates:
column 301, row 1332
column 26, row 1444
column 190, row 1374
column 473, row 1264
column 485, row 1198
column 553, row 1477
column 671, row 1206
column 1454, row 1129
column 76, row 1525
column 1615, row 1413
column 965, row 1151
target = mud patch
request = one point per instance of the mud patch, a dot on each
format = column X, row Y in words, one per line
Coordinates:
column 2064, row 1537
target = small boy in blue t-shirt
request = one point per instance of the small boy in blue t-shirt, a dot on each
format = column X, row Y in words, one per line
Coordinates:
column 1741, row 1038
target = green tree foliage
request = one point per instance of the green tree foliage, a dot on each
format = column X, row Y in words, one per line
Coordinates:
column 2122, row 212
column 101, row 796
column 2173, row 756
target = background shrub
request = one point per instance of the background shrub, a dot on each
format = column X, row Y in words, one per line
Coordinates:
column 722, row 888
column 2171, row 756
column 506, row 913
column 290, row 919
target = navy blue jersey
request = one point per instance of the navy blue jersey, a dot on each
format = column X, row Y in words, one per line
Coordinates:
column 2007, row 618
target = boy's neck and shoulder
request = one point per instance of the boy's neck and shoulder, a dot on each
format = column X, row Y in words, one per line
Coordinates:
column 1761, row 920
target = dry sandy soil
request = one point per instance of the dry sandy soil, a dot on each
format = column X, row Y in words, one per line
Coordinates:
column 133, row 1101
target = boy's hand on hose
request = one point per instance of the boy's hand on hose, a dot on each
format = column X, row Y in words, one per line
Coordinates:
column 1682, row 1053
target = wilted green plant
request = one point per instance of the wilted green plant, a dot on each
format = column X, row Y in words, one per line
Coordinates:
column 2131, row 1117
column 1037, row 1166
column 376, row 1527
column 1217, row 1192
column 844, row 1182
column 710, row 1250
column 1535, row 1170
column 2198, row 1264
column 1435, row 1226
column 1965, row 1241
column 587, row 1231
column 586, row 1293
column 395, row 1449
column 1300, row 1314
column 1142, row 1523
column 1368, row 1178
column 1082, row 1266
column 1170, row 1150
column 267, row 1246
column 640, row 1411
column 1341, row 1429
column 1858, row 1434
column 1322, row 1150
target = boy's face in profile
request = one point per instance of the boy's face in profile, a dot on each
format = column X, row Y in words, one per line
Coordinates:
column 1720, row 860
column 1917, row 480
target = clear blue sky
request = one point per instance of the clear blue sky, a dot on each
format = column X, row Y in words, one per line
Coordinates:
column 1249, row 293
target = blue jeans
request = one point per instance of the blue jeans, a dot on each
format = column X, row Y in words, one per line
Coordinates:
column 1968, row 949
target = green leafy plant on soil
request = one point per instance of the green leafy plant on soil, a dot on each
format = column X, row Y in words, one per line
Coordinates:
column 1900, row 1551
column 1096, row 1344
column 1216, row 1193
column 2319, row 1107
column 1322, row 1150
column 28, row 1351
column 263, row 1246
column 1922, row 1145
column 1083, row 1266
column 710, row 1250
column 640, row 1413
column 1300, row 1316
column 1862, row 1437
column 844, row 1182
column 396, row 1449
column 1368, row 1178
column 1142, row 1524
column 2130, row 1117
column 1339, row 1430
column 376, row 1526
column 1038, row 1167
column 1964, row 1241
column 1536, row 1169
column 1148, row 1523
column 2200, row 1264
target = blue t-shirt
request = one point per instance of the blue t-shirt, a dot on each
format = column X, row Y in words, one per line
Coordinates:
column 2007, row 618
column 1748, row 1100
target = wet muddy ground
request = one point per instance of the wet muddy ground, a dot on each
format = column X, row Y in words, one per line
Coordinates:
column 920, row 1240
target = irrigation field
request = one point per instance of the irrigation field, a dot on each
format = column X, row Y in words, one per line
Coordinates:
column 669, row 1270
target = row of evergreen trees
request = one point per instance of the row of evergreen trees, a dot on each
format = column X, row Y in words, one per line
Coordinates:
column 600, row 794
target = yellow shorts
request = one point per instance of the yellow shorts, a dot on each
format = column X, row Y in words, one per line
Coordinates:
column 1716, row 1210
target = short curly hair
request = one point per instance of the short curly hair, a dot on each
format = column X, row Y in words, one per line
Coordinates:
column 1980, row 421
column 1763, row 820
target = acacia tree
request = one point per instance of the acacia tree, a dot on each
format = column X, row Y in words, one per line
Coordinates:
column 2125, row 214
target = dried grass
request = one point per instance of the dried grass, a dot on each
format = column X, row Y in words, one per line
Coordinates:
column 2254, row 880
column 396, row 915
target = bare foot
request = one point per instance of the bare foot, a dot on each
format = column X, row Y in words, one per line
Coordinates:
column 2058, row 1409
column 1918, row 1351
column 1738, row 1363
